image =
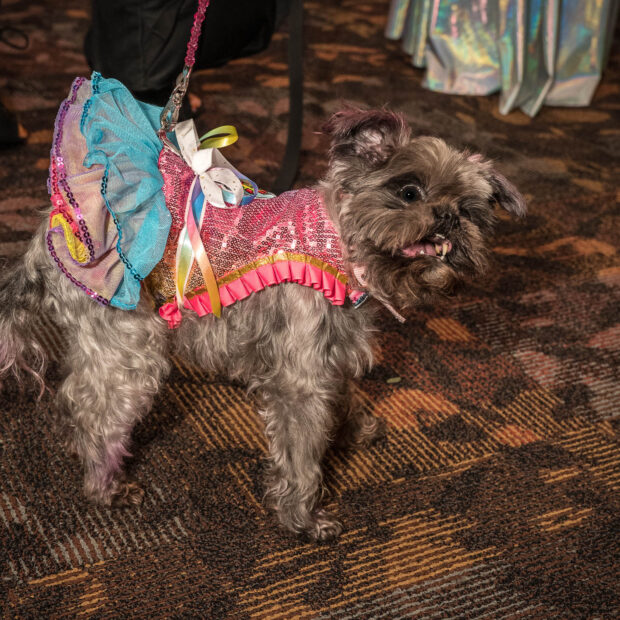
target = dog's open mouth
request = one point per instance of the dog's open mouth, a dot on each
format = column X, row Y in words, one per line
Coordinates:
column 437, row 245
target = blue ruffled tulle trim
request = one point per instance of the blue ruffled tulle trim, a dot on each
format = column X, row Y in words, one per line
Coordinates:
column 121, row 135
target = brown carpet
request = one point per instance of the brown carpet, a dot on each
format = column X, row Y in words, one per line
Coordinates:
column 495, row 494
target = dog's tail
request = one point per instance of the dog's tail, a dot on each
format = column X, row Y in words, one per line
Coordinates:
column 22, row 289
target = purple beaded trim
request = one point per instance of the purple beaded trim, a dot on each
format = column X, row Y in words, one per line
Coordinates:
column 50, row 246
column 104, row 189
column 53, row 185
column 83, row 235
column 60, row 119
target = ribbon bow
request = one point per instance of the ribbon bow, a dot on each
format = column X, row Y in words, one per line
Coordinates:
column 217, row 182
column 220, row 181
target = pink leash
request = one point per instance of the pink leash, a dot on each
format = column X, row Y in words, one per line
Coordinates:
column 170, row 113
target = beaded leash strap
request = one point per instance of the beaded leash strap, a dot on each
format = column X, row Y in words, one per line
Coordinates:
column 170, row 113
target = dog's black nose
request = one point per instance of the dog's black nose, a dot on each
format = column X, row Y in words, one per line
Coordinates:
column 446, row 219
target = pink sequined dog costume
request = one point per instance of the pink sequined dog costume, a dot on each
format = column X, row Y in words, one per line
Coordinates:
column 288, row 238
column 123, row 211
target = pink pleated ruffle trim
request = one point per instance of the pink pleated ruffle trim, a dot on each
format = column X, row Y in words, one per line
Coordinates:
column 257, row 279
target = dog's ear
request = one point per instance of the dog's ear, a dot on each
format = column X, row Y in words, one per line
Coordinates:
column 506, row 194
column 372, row 135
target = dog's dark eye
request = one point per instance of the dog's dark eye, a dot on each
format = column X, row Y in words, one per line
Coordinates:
column 410, row 193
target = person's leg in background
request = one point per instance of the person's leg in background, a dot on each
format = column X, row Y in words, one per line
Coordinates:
column 143, row 44
column 11, row 131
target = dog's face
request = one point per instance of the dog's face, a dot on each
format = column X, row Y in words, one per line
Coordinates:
column 415, row 214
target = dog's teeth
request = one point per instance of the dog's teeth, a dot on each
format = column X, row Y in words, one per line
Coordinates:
column 438, row 249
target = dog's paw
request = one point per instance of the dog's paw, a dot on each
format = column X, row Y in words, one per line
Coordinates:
column 369, row 430
column 325, row 526
column 118, row 493
column 361, row 430
column 128, row 494
column 318, row 524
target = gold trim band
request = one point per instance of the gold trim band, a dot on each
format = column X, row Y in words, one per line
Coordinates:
column 279, row 256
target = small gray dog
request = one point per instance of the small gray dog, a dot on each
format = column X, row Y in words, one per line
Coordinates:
column 414, row 217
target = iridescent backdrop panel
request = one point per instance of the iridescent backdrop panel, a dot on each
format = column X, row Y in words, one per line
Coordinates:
column 534, row 52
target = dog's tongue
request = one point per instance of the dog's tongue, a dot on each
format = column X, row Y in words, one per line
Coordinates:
column 431, row 247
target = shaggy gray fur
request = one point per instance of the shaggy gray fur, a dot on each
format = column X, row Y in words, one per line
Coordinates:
column 296, row 352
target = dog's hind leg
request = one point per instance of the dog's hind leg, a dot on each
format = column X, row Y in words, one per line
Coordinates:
column 116, row 361
column 22, row 296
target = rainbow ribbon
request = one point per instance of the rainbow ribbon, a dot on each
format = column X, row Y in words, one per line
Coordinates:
column 216, row 181
column 191, row 249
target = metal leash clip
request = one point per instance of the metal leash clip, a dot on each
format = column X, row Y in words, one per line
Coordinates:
column 170, row 114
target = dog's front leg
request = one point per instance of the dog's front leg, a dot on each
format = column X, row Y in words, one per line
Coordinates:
column 298, row 425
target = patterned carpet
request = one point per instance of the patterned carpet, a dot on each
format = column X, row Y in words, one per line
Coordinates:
column 495, row 493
